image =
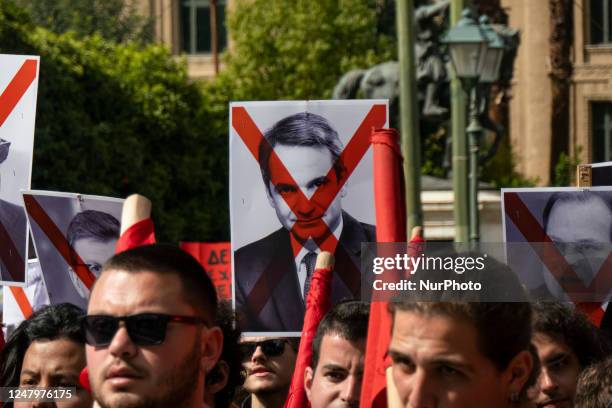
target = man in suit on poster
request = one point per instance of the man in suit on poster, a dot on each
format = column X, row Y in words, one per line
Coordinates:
column 12, row 223
column 273, row 274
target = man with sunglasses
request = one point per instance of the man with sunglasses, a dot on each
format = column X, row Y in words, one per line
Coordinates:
column 150, row 341
column 268, row 365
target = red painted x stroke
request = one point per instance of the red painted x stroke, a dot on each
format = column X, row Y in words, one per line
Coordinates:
column 322, row 197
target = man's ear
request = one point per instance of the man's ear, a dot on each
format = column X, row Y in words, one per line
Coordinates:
column 212, row 346
column 308, row 377
column 518, row 372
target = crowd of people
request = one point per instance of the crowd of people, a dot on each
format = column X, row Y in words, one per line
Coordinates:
column 155, row 335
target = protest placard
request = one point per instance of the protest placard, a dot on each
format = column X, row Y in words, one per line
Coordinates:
column 570, row 231
column 300, row 182
column 18, row 91
column 73, row 235
column 215, row 257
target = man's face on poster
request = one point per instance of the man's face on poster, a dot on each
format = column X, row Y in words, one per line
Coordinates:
column 94, row 253
column 309, row 167
column 581, row 232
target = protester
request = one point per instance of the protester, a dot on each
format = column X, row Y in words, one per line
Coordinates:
column 149, row 331
column 47, row 350
column 268, row 366
column 225, row 376
column 594, row 388
column 459, row 354
column 566, row 343
column 334, row 376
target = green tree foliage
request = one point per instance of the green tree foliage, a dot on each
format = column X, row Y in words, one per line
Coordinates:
column 114, row 20
column 116, row 119
column 299, row 49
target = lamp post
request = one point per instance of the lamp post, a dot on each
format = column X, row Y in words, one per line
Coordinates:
column 476, row 52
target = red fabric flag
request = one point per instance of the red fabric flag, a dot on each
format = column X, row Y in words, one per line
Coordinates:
column 318, row 304
column 389, row 195
column 141, row 233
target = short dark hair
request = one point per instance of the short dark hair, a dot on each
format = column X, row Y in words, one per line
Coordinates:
column 49, row 323
column 301, row 129
column 93, row 224
column 571, row 197
column 164, row 259
column 231, row 354
column 349, row 320
column 568, row 324
column 594, row 389
column 503, row 328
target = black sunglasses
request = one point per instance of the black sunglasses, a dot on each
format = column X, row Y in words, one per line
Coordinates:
column 271, row 347
column 145, row 329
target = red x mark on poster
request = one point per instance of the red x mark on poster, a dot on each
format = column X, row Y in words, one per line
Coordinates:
column 554, row 261
column 9, row 98
column 58, row 240
column 322, row 197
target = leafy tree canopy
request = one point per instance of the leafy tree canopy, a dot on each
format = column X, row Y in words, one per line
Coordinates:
column 116, row 119
column 114, row 20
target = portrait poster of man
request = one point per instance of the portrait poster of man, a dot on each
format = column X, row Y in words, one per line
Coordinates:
column 574, row 226
column 18, row 92
column 300, row 182
column 72, row 231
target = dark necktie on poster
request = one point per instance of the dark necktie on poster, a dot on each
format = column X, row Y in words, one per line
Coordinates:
column 309, row 260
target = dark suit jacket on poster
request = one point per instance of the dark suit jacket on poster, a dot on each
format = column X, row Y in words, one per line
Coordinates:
column 279, row 306
column 14, row 222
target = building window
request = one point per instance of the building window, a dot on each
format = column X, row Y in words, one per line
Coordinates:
column 602, row 131
column 601, row 21
column 196, row 36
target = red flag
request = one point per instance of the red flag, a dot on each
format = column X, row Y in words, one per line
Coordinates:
column 318, row 304
column 141, row 233
column 390, row 227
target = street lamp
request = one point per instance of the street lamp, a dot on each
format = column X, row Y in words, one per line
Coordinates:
column 476, row 52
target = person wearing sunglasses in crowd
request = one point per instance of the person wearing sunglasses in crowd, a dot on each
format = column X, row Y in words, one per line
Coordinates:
column 150, row 336
column 268, row 367
column 47, row 350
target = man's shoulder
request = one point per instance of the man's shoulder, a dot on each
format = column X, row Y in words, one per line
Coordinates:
column 265, row 244
column 367, row 232
column 257, row 255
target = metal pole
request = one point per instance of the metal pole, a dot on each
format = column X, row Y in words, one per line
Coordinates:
column 408, row 112
column 474, row 130
column 459, row 143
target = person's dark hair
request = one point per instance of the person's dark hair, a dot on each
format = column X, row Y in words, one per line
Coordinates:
column 349, row 320
column 301, row 129
column 231, row 355
column 503, row 328
column 61, row 321
column 594, row 388
column 560, row 321
column 93, row 224
column 166, row 259
column 571, row 197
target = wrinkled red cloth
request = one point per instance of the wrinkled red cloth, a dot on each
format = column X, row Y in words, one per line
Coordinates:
column 318, row 303
column 141, row 233
column 389, row 200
